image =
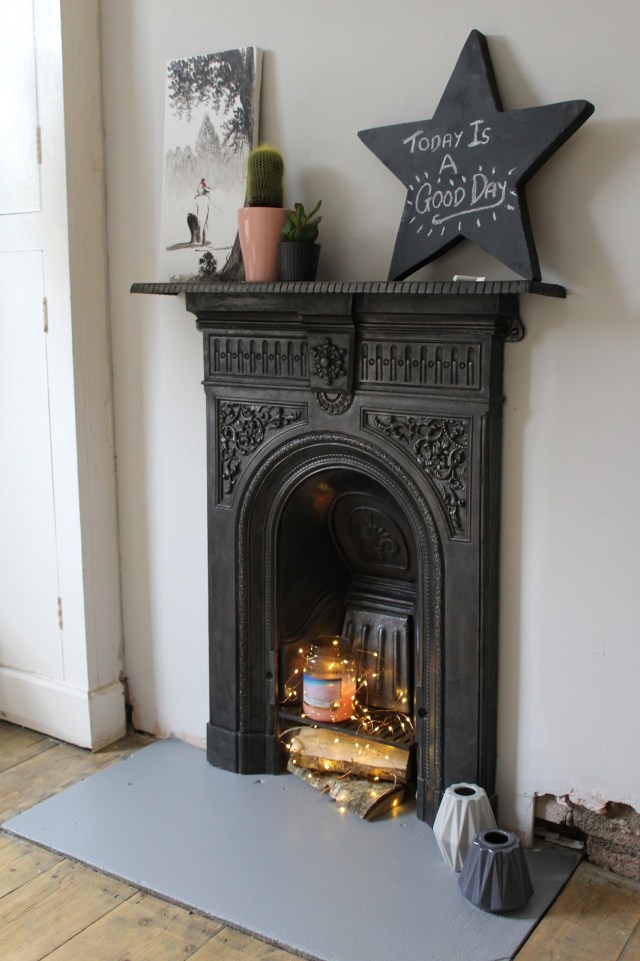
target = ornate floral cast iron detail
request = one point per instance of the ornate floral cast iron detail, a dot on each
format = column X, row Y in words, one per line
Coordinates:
column 242, row 431
column 376, row 541
column 328, row 361
column 440, row 447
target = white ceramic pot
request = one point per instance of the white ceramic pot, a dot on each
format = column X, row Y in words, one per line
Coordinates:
column 464, row 812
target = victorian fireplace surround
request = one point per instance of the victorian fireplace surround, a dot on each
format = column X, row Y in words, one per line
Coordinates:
column 354, row 448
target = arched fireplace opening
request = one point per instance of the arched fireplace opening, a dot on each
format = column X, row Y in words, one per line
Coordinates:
column 336, row 538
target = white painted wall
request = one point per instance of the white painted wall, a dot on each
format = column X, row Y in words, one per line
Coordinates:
column 570, row 630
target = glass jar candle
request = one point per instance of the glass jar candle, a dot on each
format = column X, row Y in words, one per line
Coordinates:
column 329, row 680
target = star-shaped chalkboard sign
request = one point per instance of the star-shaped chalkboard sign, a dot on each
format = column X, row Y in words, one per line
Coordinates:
column 465, row 170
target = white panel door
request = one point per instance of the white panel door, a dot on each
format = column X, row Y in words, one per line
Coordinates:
column 30, row 635
column 19, row 168
column 29, row 628
column 60, row 638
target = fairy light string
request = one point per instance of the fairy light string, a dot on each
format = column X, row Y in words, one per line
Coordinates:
column 385, row 725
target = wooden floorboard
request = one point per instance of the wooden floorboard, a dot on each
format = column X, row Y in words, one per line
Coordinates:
column 593, row 919
column 53, row 908
column 143, row 928
column 43, row 775
column 21, row 861
column 18, row 745
column 631, row 951
column 46, row 912
column 230, row 945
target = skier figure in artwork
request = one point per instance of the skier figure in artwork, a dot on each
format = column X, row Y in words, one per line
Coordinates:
column 202, row 211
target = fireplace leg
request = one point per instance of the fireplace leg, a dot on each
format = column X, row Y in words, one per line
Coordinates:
column 243, row 753
column 428, row 799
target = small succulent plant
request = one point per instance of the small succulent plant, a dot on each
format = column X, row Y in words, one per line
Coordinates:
column 265, row 177
column 300, row 226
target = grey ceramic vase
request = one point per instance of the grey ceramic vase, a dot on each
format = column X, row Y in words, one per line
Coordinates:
column 495, row 876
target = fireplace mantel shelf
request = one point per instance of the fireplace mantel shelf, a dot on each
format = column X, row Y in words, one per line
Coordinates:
column 344, row 298
column 426, row 288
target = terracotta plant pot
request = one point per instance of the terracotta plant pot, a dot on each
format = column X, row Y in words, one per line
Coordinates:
column 495, row 876
column 463, row 812
column 298, row 261
column 259, row 233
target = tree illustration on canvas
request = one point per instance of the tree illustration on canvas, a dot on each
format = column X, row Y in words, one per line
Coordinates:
column 210, row 126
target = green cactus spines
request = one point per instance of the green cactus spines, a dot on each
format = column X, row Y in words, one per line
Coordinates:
column 265, row 177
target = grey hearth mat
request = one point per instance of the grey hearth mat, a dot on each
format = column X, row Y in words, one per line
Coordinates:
column 272, row 857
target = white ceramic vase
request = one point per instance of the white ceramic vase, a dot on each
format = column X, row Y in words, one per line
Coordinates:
column 464, row 812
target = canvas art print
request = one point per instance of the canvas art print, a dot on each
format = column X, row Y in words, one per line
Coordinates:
column 211, row 123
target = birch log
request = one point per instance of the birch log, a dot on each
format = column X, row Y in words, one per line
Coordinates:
column 332, row 752
column 368, row 799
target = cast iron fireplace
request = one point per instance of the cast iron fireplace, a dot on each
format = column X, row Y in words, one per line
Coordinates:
column 354, row 447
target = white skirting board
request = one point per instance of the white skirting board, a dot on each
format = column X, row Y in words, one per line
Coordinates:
column 270, row 856
column 90, row 719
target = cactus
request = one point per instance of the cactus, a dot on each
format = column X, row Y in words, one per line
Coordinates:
column 265, row 175
column 301, row 226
